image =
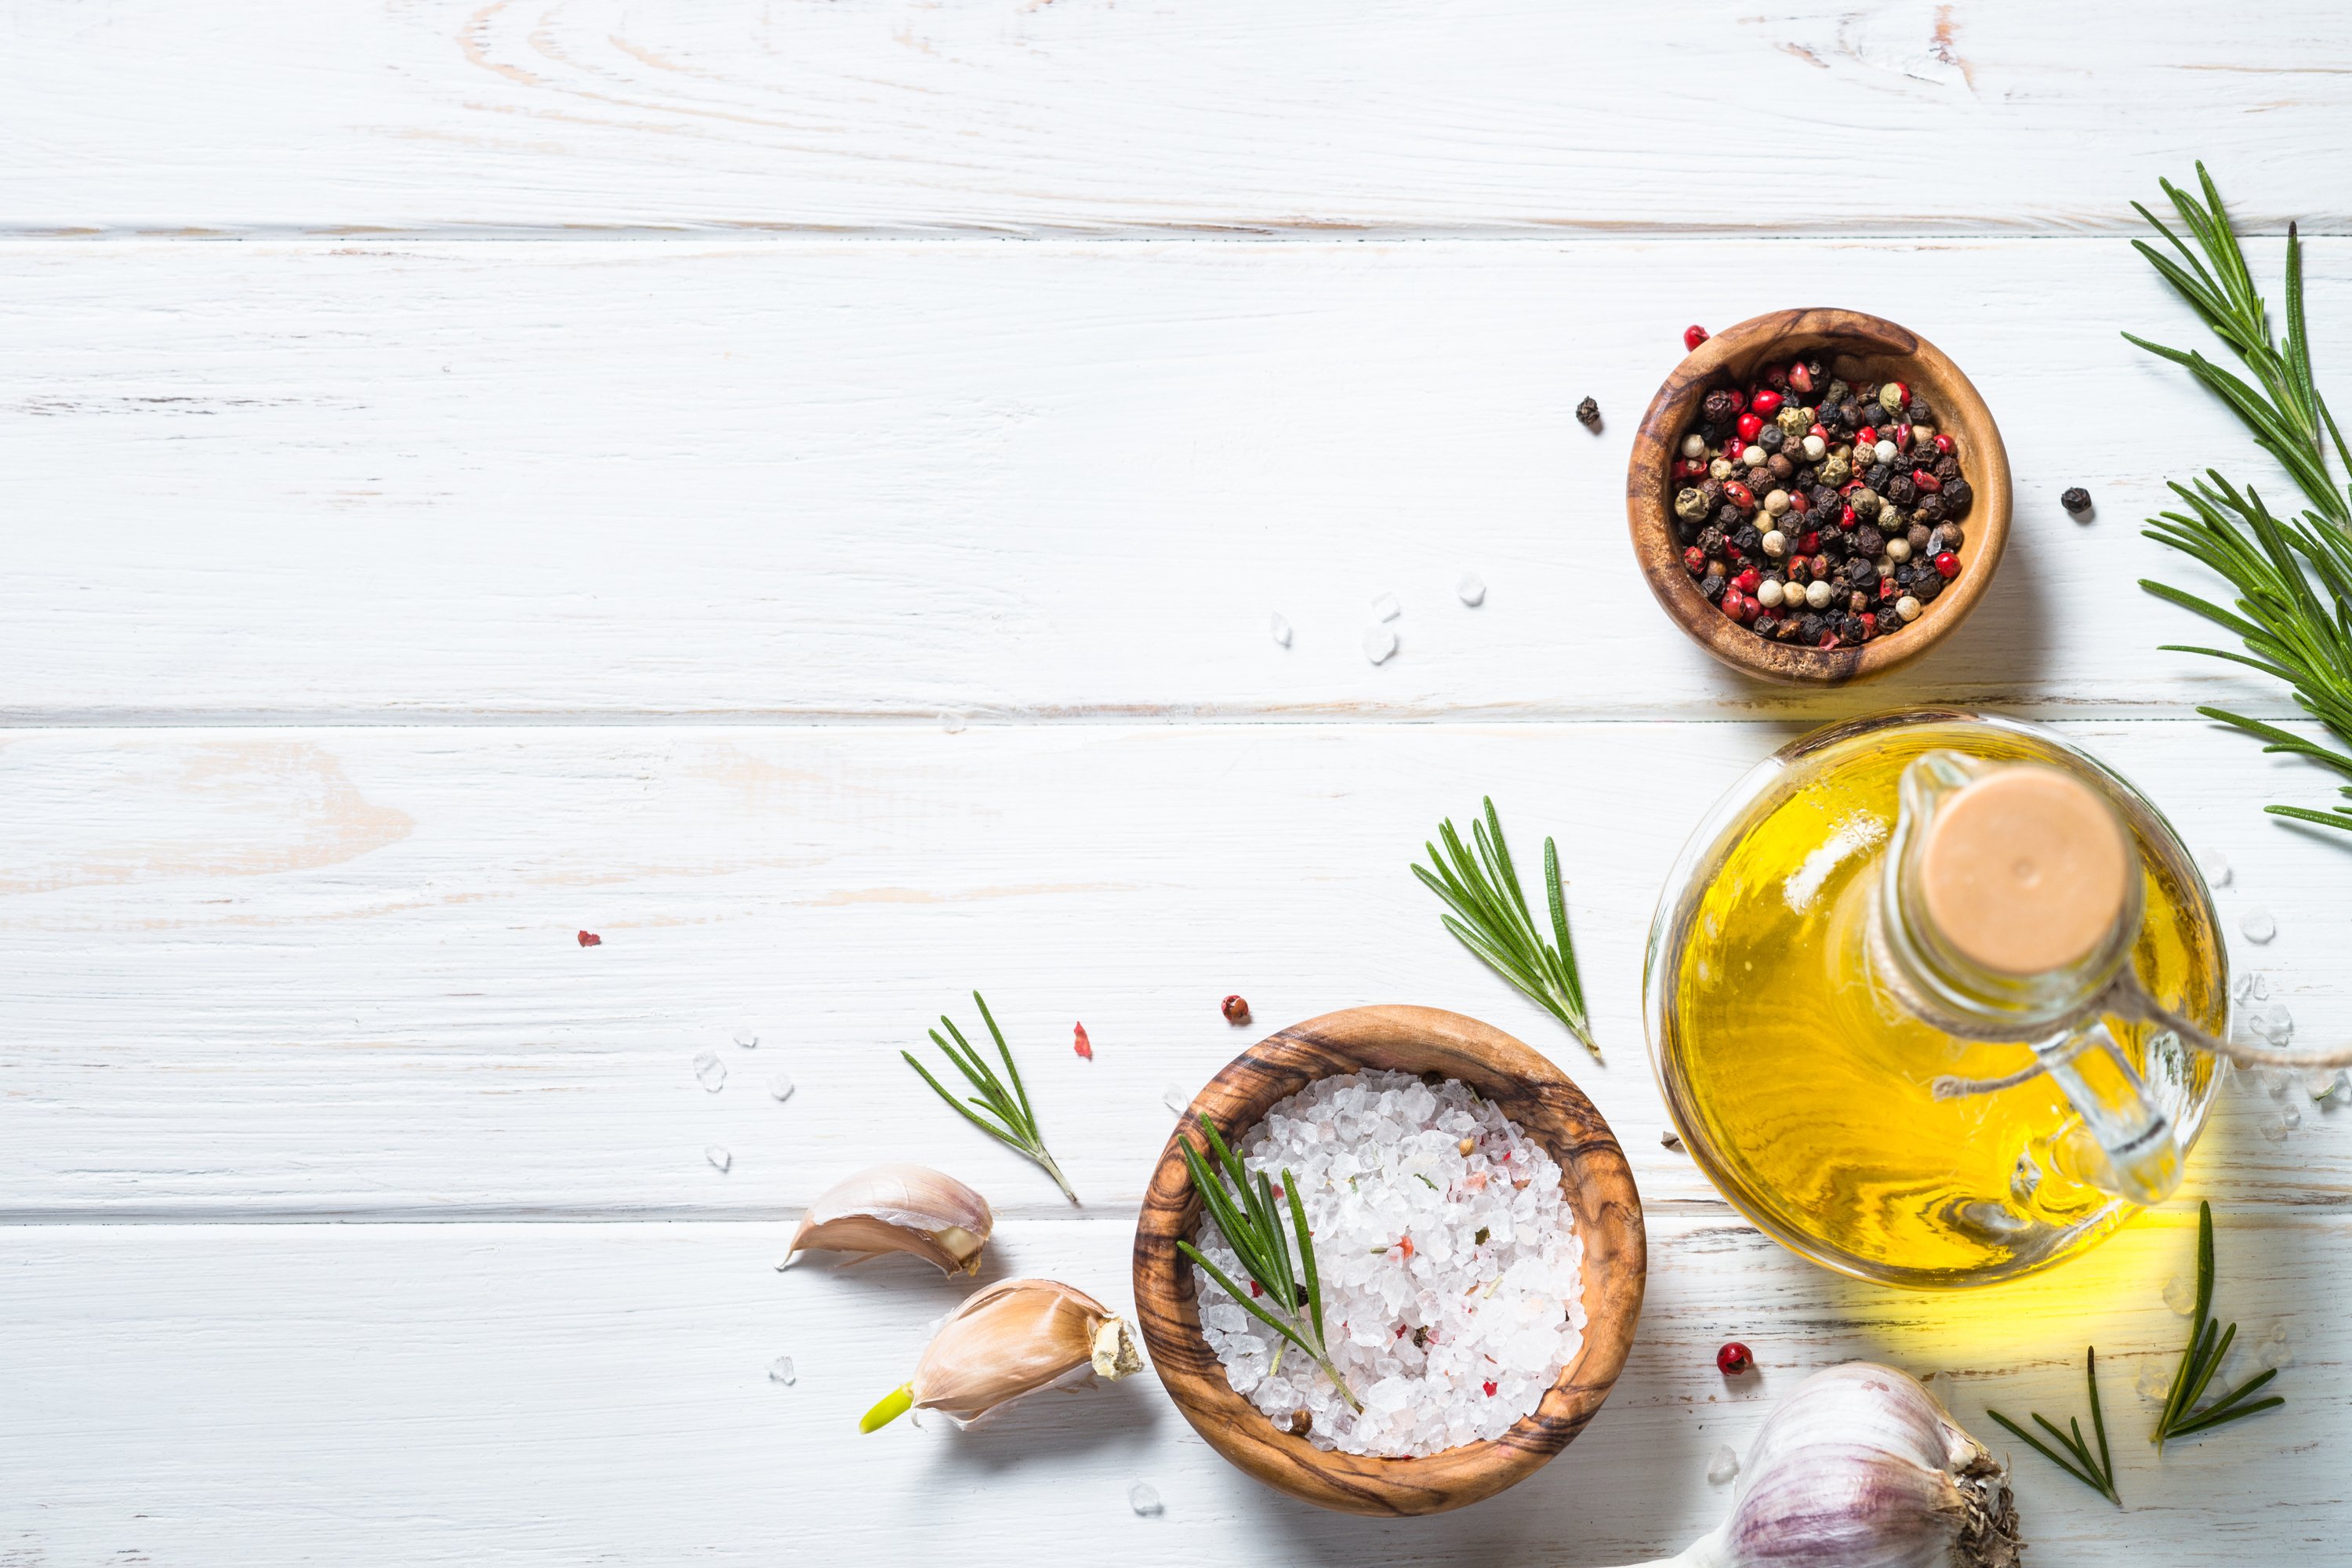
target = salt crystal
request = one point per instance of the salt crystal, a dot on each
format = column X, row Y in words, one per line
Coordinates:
column 2155, row 1381
column 2321, row 1082
column 720, row 1160
column 2276, row 1127
column 1386, row 608
column 1943, row 1385
column 780, row 1371
column 2244, row 985
column 2271, row 1355
column 2261, row 986
column 781, row 1085
column 711, row 1072
column 2257, row 925
column 951, row 723
column 2273, row 1023
column 1470, row 590
column 1670, row 1139
column 1722, row 1465
column 2180, row 1294
column 1379, row 642
column 2217, row 869
column 1278, row 627
column 1144, row 1498
column 747, row 1039
column 1175, row 1098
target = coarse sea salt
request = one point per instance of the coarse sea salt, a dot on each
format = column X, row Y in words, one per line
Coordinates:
column 1448, row 1340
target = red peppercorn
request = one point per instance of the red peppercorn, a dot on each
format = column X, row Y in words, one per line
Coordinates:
column 1490, row 1389
column 1733, row 552
column 1082, row 1044
column 1947, row 564
column 1733, row 1357
column 1739, row 495
column 1690, row 469
column 1866, row 437
column 1800, row 377
column 1944, row 443
column 1886, row 589
column 1767, row 403
column 1869, row 625
column 1811, row 544
column 1829, row 639
column 1776, row 376
column 1799, row 502
column 1903, row 437
column 590, row 939
column 1738, row 401
column 1747, row 580
column 1695, row 560
column 1739, row 606
column 1902, row 394
column 1820, row 430
column 1926, row 481
column 1692, row 337
column 1849, row 486
column 1750, row 426
column 1235, row 1010
column 1845, row 517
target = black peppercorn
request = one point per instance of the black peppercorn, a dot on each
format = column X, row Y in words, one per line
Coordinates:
column 1859, row 570
column 1766, row 625
column 1919, row 413
column 1926, row 585
column 1721, row 407
column 1770, row 437
column 1901, row 491
column 1823, row 500
column 1805, row 477
column 1710, row 540
column 2076, row 500
column 1869, row 540
column 1712, row 586
column 1849, row 630
column 1810, row 627
column 1750, row 541
column 1948, row 468
column 1878, row 479
column 1931, row 509
column 1588, row 414
column 1957, row 497
column 1779, row 467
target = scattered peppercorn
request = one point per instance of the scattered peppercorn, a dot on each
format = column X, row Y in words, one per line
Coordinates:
column 590, row 939
column 1588, row 414
column 1235, row 1010
column 2076, row 500
column 1809, row 523
column 1693, row 337
column 1083, row 1046
column 1733, row 1359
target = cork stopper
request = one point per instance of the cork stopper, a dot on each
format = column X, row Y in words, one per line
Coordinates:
column 2025, row 871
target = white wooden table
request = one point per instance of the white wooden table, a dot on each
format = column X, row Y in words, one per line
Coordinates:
column 799, row 491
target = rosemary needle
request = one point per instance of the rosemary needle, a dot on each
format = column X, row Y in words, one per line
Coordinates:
column 1003, row 1114
column 1494, row 923
column 2201, row 1358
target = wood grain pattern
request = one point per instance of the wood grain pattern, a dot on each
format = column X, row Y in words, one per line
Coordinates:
column 1119, row 117
column 1857, row 347
column 1545, row 1104
column 522, row 482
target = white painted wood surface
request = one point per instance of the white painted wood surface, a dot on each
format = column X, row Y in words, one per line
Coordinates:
column 576, row 501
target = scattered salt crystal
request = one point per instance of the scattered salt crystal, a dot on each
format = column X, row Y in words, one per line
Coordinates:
column 1670, row 1139
column 1386, row 608
column 1278, row 627
column 2272, row 1022
column 1470, row 590
column 711, row 1072
column 2242, row 986
column 2321, row 1082
column 1379, row 642
column 2261, row 986
column 2180, row 1294
column 720, row 1160
column 1722, row 1465
column 2271, row 1355
column 2217, row 869
column 780, row 1371
column 2257, row 925
column 747, row 1039
column 951, row 723
column 2155, row 1380
column 1144, row 1498
column 781, row 1085
column 1175, row 1098
column 1452, row 1302
column 2276, row 1127
column 1943, row 1385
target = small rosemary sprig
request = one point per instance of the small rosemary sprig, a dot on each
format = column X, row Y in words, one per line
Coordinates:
column 2293, row 576
column 2208, row 1343
column 1245, row 1215
column 1495, row 923
column 1004, row 1115
column 2097, row 1471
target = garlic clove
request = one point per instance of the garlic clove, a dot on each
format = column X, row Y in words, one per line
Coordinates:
column 898, row 1208
column 1014, row 1339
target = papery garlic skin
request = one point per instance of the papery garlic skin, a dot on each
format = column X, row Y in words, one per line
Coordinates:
column 898, row 1208
column 1016, row 1338
column 1861, row 1468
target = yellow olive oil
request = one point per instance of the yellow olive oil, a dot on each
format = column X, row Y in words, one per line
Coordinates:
column 1804, row 1086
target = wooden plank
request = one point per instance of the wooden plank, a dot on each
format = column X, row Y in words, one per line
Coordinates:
column 531, row 1394
column 302, row 482
column 1095, row 116
column 334, row 971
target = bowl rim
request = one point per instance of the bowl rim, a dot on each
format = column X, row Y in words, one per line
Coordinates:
column 1649, row 487
column 1596, row 1176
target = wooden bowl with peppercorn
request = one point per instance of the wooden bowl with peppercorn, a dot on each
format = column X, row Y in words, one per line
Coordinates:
column 1817, row 496
column 1597, row 1187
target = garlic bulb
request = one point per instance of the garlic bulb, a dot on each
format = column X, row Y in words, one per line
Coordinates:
column 1010, row 1341
column 898, row 1208
column 1860, row 1467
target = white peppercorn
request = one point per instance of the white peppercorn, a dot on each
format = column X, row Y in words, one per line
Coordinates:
column 1776, row 543
column 1769, row 593
column 1776, row 504
column 1907, row 607
column 1819, row 595
column 1899, row 549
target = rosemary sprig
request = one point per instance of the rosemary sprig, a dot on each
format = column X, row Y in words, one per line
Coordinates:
column 2097, row 1471
column 1246, row 1218
column 2293, row 576
column 2208, row 1343
column 1494, row 924
column 1003, row 1114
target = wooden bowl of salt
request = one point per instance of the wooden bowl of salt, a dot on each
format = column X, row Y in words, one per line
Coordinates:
column 1595, row 1179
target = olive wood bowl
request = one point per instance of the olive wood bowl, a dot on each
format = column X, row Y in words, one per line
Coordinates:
column 1529, row 1090
column 1856, row 348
